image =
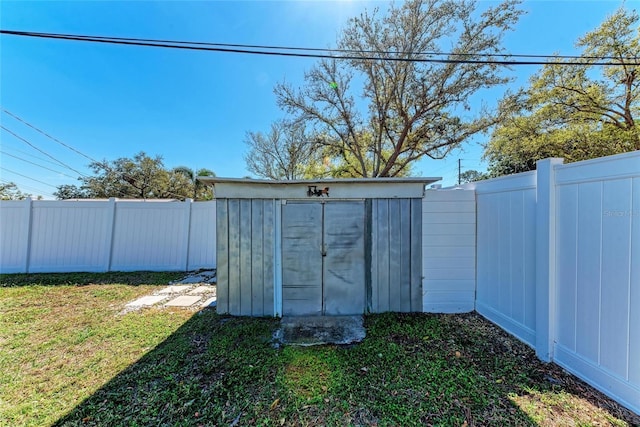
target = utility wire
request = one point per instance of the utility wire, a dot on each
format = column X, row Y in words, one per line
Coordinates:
column 29, row 154
column 27, row 187
column 128, row 178
column 366, row 56
column 47, row 135
column 28, row 177
column 310, row 49
column 34, row 163
column 42, row 151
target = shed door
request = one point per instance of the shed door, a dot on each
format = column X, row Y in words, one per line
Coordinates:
column 323, row 258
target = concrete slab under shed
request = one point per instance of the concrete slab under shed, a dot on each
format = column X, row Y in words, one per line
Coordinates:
column 317, row 330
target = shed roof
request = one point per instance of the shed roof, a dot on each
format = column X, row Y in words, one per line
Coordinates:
column 244, row 188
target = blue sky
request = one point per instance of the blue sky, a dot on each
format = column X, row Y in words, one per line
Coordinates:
column 194, row 108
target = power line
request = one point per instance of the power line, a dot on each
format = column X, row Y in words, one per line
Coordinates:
column 29, row 154
column 128, row 178
column 47, row 135
column 36, row 164
column 28, row 177
column 367, row 56
column 42, row 151
column 307, row 49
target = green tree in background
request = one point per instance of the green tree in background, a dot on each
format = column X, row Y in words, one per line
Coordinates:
column 575, row 111
column 10, row 191
column 140, row 177
column 375, row 118
column 200, row 190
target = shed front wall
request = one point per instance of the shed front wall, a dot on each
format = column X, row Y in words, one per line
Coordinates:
column 249, row 256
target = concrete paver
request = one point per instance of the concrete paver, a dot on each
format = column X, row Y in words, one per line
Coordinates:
column 146, row 301
column 211, row 302
column 193, row 292
column 183, row 301
column 202, row 290
column 175, row 289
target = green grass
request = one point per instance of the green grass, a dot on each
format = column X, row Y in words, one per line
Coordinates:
column 69, row 358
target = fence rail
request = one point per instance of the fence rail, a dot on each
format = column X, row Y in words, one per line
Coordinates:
column 109, row 235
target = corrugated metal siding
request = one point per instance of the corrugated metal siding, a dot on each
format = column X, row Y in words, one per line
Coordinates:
column 395, row 257
column 449, row 248
column 245, row 236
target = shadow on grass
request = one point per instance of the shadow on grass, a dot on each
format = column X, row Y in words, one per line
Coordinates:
column 83, row 279
column 410, row 370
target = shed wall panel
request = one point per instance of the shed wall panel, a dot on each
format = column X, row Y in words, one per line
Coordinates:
column 235, row 285
column 245, row 240
column 396, row 258
column 222, row 249
column 257, row 258
column 416, row 255
column 246, row 289
column 268, row 247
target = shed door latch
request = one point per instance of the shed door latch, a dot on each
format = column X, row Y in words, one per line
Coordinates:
column 323, row 250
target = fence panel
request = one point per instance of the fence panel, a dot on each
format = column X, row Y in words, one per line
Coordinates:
column 506, row 288
column 66, row 236
column 598, row 274
column 448, row 251
column 69, row 236
column 15, row 217
column 202, row 236
column 150, row 236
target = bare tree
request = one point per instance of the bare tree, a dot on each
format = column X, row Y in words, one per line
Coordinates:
column 401, row 109
column 286, row 152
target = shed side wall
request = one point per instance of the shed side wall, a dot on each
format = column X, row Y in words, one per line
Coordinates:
column 245, row 230
column 396, row 224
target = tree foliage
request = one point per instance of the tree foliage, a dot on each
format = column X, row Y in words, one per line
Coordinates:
column 200, row 190
column 376, row 117
column 575, row 111
column 140, row 177
column 10, row 191
column 472, row 176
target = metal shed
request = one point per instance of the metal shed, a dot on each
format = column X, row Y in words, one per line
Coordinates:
column 326, row 247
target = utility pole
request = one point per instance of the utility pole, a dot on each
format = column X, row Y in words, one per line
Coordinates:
column 459, row 169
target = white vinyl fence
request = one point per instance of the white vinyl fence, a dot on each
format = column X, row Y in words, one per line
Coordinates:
column 109, row 235
column 558, row 266
column 448, row 251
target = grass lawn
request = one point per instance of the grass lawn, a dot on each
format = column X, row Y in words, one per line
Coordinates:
column 67, row 357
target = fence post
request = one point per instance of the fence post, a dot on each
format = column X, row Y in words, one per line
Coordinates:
column 111, row 225
column 27, row 254
column 545, row 257
column 187, row 238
